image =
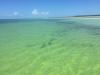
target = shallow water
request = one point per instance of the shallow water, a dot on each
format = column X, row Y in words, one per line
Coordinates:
column 49, row 47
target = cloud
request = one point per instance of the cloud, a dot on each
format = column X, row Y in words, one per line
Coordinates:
column 35, row 12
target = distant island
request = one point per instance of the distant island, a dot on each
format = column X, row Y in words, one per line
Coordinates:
column 76, row 16
column 86, row 16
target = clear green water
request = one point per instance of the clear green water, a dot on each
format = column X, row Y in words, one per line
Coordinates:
column 49, row 47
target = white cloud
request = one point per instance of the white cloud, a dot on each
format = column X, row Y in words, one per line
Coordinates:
column 15, row 13
column 35, row 12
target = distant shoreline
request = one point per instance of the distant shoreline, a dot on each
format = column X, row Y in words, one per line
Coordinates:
column 77, row 17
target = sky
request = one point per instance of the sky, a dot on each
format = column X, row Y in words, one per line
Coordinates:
column 47, row 8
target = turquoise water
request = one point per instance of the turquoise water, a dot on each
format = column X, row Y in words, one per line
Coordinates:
column 49, row 47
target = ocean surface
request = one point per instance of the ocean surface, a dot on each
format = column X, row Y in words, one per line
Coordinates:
column 49, row 47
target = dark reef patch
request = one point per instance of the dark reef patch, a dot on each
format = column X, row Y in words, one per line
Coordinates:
column 43, row 45
column 50, row 42
column 96, row 33
column 52, row 39
column 29, row 45
column 87, row 45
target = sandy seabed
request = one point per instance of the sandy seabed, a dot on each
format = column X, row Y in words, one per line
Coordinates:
column 50, row 47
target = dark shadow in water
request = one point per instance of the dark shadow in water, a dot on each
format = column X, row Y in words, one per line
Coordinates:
column 29, row 45
column 65, row 22
column 52, row 39
column 87, row 45
column 49, row 43
column 94, row 30
column 70, row 25
column 96, row 33
column 43, row 45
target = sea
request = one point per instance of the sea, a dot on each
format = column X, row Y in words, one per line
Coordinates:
column 50, row 46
